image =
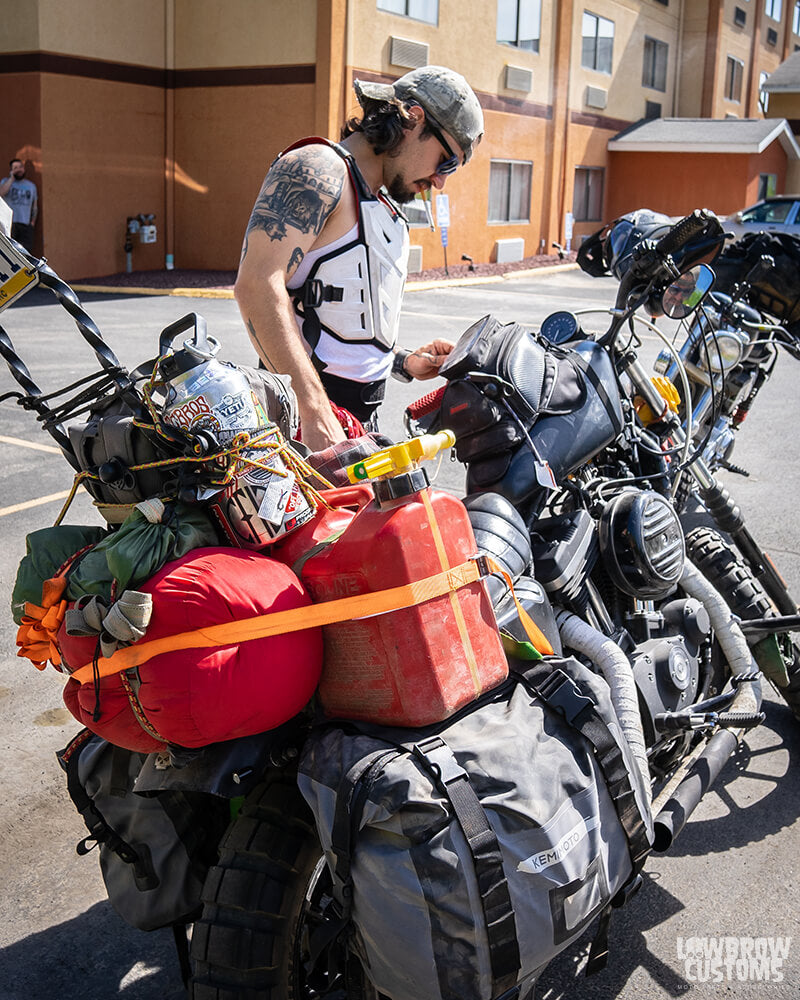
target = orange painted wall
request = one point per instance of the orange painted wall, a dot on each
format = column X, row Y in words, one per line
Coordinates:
column 587, row 148
column 514, row 137
column 103, row 156
column 22, row 132
column 772, row 161
column 677, row 183
column 225, row 139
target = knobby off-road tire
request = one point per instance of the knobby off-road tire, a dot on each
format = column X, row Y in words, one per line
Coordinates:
column 712, row 555
column 251, row 940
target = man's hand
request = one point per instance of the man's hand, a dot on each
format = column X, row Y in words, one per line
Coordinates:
column 426, row 361
column 319, row 429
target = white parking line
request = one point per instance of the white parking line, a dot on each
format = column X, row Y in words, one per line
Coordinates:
column 14, row 508
column 30, row 444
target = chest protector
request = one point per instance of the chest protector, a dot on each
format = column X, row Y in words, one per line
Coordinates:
column 355, row 291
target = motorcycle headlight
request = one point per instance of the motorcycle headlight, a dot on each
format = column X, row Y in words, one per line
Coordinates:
column 725, row 349
column 641, row 544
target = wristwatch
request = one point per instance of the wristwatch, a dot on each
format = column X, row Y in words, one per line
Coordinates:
column 399, row 365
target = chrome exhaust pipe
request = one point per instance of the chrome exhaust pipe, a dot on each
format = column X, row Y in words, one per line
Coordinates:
column 700, row 772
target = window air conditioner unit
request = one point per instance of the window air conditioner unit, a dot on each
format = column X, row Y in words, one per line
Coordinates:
column 408, row 54
column 414, row 260
column 596, row 97
column 519, row 78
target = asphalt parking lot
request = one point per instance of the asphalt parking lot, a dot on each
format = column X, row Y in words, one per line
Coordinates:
column 732, row 874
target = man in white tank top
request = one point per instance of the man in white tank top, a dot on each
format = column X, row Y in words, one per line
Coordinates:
column 324, row 258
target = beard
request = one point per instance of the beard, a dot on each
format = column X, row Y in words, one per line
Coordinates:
column 399, row 192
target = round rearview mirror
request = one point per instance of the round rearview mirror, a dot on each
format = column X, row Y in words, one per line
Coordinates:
column 686, row 293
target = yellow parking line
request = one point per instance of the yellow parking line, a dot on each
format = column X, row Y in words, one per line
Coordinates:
column 30, row 444
column 14, row 508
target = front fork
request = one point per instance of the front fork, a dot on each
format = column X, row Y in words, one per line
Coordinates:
column 718, row 502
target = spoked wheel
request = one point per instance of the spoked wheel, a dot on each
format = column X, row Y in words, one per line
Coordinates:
column 261, row 905
column 712, row 555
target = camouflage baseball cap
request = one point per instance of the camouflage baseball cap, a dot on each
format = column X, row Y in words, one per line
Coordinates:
column 444, row 94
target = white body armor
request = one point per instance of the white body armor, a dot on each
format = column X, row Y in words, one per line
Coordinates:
column 350, row 293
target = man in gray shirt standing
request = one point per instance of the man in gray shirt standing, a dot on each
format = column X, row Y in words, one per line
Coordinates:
column 22, row 196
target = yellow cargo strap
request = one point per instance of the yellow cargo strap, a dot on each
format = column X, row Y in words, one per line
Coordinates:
column 311, row 616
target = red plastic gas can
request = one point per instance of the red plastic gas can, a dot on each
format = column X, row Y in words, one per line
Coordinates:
column 417, row 665
column 336, row 510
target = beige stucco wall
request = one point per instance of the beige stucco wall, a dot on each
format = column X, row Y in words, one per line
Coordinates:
column 208, row 33
column 467, row 44
column 113, row 30
column 211, row 33
column 692, row 61
column 21, row 32
column 784, row 105
column 632, row 22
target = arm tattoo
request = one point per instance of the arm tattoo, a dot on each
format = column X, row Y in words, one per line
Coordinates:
column 295, row 259
column 297, row 192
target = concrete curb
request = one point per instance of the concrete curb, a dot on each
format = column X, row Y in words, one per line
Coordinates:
column 187, row 293
column 414, row 286
column 532, row 272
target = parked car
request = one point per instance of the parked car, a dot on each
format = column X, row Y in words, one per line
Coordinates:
column 780, row 214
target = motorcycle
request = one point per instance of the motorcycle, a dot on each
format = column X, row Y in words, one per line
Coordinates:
column 575, row 477
column 728, row 354
column 593, row 486
column 730, row 344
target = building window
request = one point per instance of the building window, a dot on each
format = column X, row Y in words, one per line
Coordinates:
column 739, row 17
column 664, row 3
column 654, row 70
column 796, row 19
column 510, row 191
column 763, row 95
column 734, row 72
column 767, row 186
column 587, row 198
column 772, row 8
column 420, row 10
column 598, row 42
column 519, row 23
column 772, row 37
column 652, row 109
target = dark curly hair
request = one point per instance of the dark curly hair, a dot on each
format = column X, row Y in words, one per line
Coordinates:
column 382, row 124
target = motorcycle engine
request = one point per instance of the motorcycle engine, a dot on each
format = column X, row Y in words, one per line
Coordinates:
column 666, row 667
column 637, row 547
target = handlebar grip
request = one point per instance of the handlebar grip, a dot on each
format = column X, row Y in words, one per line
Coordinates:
column 427, row 404
column 682, row 232
column 760, row 269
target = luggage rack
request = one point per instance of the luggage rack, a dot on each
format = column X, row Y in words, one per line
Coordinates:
column 113, row 379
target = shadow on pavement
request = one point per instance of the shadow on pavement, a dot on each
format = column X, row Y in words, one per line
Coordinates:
column 628, row 951
column 44, row 297
column 772, row 808
column 95, row 956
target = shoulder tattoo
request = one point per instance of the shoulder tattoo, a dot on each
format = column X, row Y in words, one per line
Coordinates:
column 299, row 191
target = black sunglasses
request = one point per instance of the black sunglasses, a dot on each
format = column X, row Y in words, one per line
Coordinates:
column 453, row 162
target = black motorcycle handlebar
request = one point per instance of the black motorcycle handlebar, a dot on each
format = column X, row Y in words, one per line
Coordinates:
column 683, row 232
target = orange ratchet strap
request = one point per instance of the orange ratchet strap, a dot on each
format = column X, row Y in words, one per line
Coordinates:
column 296, row 619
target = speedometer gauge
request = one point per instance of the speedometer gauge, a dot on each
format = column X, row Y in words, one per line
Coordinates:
column 560, row 327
